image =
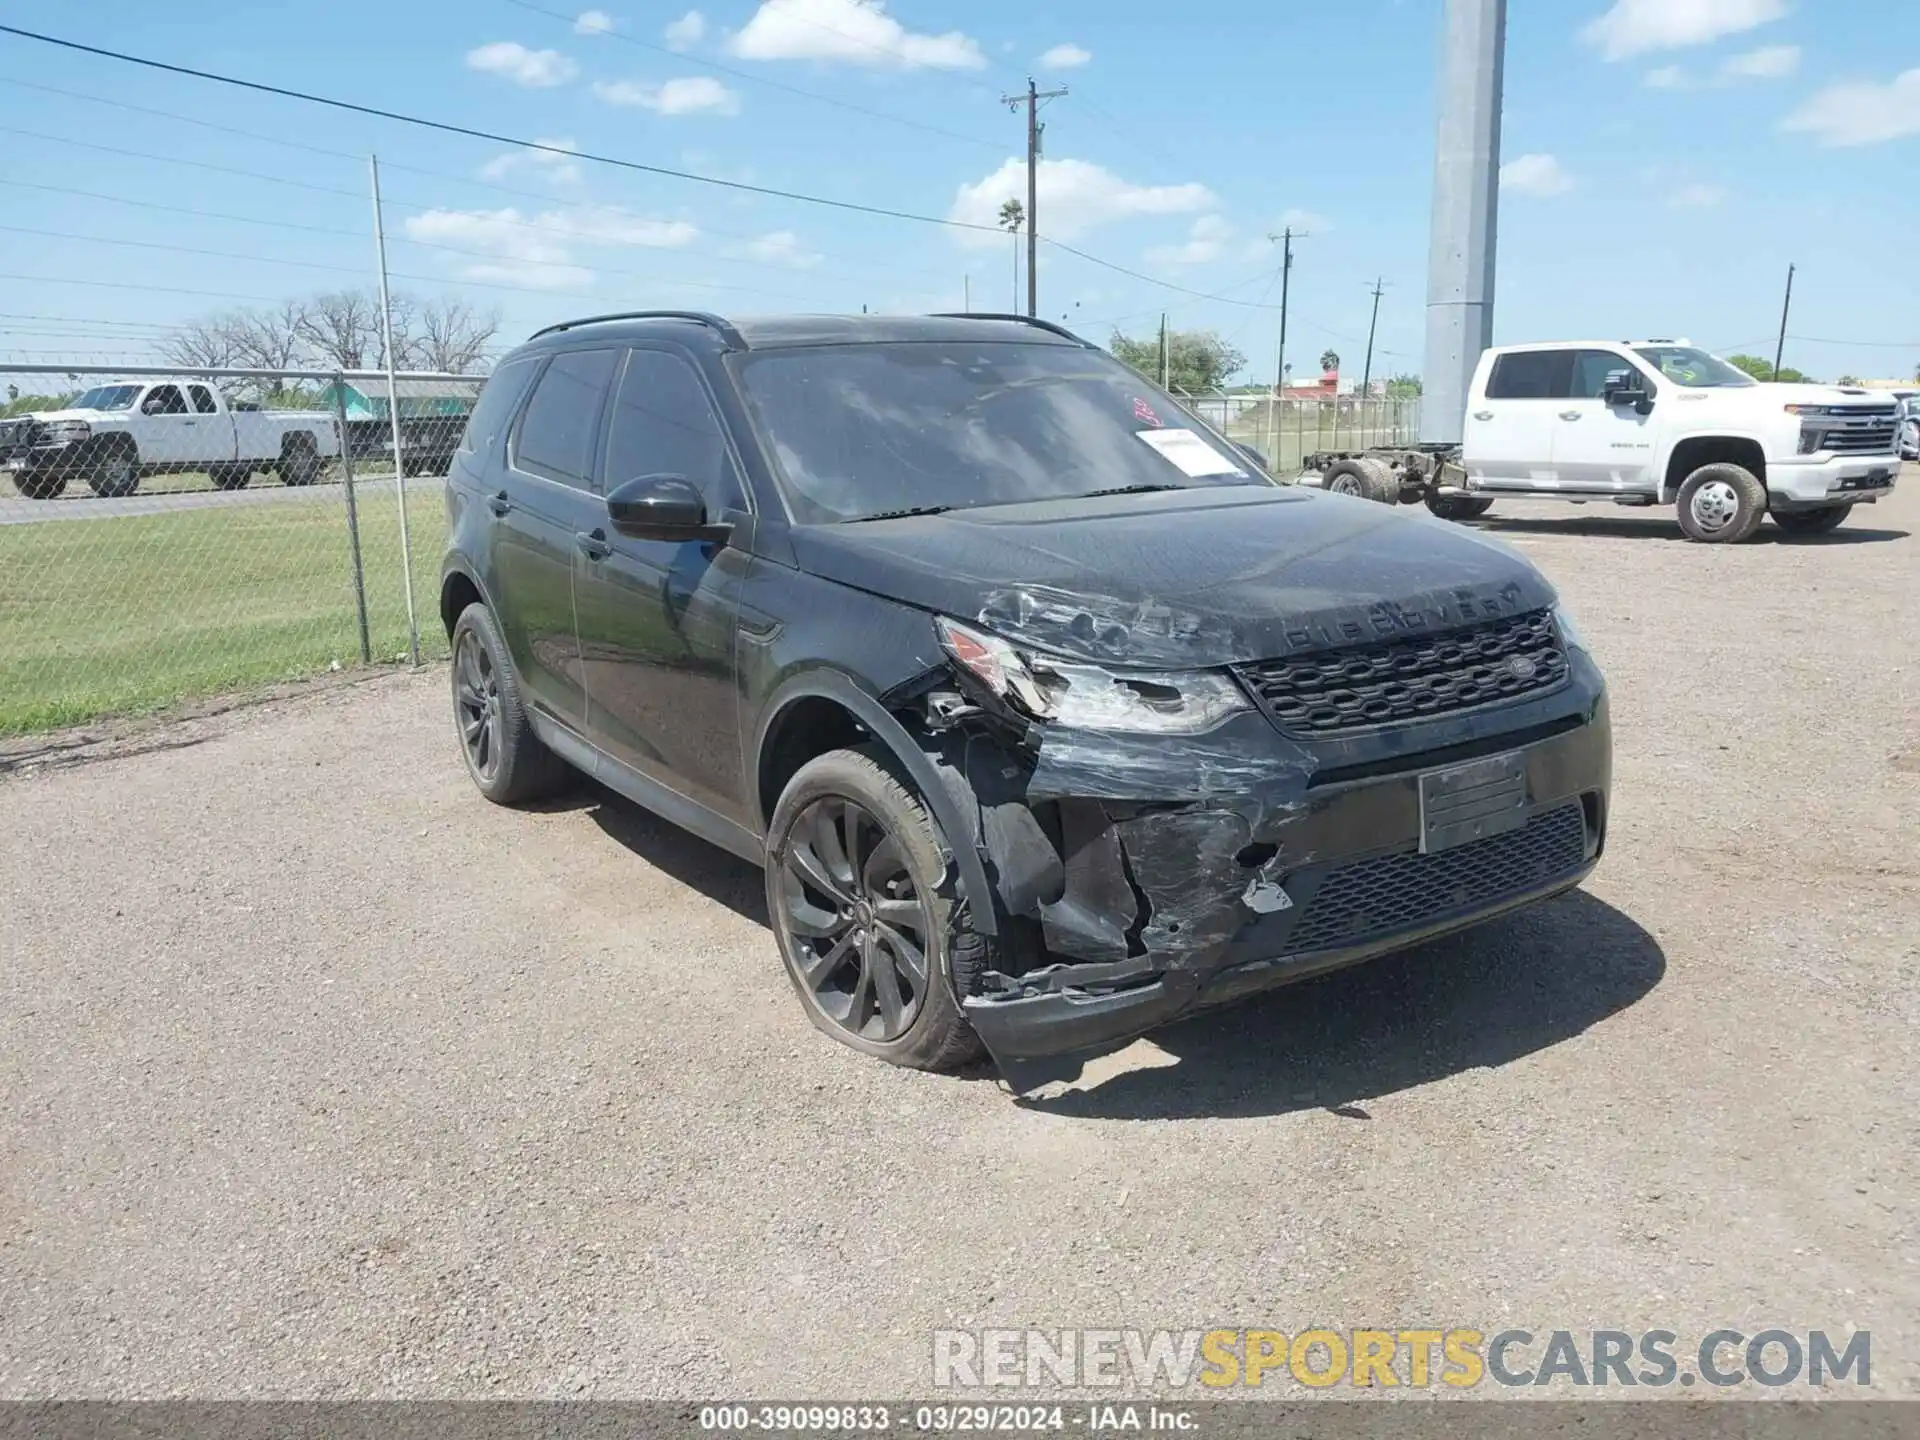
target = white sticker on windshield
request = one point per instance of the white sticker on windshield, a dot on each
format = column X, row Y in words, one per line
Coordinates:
column 1187, row 450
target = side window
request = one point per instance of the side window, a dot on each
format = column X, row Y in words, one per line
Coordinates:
column 663, row 424
column 1591, row 368
column 499, row 398
column 202, row 399
column 164, row 400
column 1531, row 375
column 558, row 428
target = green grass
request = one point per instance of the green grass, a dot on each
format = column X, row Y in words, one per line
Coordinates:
column 111, row 616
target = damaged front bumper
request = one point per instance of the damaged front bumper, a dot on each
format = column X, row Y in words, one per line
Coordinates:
column 1154, row 877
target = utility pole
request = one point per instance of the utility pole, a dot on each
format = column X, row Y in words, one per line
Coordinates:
column 1285, row 238
column 1366, row 376
column 1780, row 349
column 1035, row 129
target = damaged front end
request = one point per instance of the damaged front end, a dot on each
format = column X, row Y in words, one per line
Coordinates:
column 1157, row 843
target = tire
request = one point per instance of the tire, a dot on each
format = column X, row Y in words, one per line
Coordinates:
column 892, row 892
column 1364, row 476
column 114, row 473
column 1458, row 507
column 505, row 759
column 1813, row 522
column 40, row 484
column 229, row 477
column 299, row 460
column 1721, row 504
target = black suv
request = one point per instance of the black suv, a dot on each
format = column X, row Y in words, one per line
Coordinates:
column 1048, row 714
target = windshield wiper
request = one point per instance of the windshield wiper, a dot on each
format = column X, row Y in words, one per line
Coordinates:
column 1126, row 490
column 900, row 514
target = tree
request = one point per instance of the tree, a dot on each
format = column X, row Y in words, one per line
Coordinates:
column 269, row 339
column 1198, row 361
column 1404, row 387
column 1012, row 216
column 1848, row 380
column 342, row 328
column 1762, row 369
column 210, row 344
column 1329, row 360
column 452, row 336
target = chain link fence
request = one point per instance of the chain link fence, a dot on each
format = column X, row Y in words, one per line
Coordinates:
column 1287, row 431
column 165, row 537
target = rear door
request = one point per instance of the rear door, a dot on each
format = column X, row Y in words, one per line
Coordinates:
column 213, row 429
column 547, row 498
column 1596, row 445
column 1508, row 438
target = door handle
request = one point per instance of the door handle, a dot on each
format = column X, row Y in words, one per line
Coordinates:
column 593, row 544
column 499, row 503
column 1483, row 414
column 1569, row 414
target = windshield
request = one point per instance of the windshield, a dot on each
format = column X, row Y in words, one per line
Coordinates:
column 107, row 397
column 1694, row 368
column 862, row 431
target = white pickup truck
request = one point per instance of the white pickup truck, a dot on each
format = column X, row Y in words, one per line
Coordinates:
column 114, row 434
column 1650, row 422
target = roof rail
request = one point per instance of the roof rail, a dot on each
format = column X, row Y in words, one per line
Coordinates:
column 699, row 317
column 1034, row 321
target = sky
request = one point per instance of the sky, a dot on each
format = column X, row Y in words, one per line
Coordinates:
column 1664, row 162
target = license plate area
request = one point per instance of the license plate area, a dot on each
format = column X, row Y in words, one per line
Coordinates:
column 1463, row 803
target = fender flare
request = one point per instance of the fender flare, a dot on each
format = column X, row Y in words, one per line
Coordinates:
column 962, row 831
column 456, row 563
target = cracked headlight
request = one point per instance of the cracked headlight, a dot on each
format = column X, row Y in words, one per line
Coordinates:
column 1092, row 697
column 1570, row 632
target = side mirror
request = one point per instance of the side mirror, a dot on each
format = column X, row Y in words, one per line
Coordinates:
column 1625, row 387
column 661, row 507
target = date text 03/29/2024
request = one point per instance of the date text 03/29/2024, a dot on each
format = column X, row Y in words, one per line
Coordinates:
column 947, row 1419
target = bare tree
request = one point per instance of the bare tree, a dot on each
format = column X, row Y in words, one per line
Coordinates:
column 210, row 344
column 341, row 328
column 449, row 335
column 270, row 340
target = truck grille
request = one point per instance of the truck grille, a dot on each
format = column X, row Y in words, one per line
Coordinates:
column 1875, row 439
column 1395, row 681
column 17, row 435
column 1365, row 899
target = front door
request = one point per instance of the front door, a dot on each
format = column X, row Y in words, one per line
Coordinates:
column 545, row 503
column 1507, row 442
column 657, row 619
column 167, row 429
column 1597, row 445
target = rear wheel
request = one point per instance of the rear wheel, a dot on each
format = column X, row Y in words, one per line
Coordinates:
column 508, row 763
column 1812, row 522
column 857, row 889
column 1364, row 476
column 115, row 471
column 1458, row 507
column 229, row 477
column 299, row 460
column 1721, row 504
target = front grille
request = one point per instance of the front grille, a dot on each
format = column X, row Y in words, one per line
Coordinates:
column 1394, row 681
column 17, row 435
column 1863, row 440
column 1365, row 899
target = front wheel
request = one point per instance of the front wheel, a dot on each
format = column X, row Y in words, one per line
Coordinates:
column 857, row 892
column 1721, row 504
column 229, row 477
column 1458, row 507
column 115, row 474
column 1812, row 522
column 40, row 484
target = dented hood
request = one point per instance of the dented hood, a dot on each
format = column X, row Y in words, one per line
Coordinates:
column 1184, row 578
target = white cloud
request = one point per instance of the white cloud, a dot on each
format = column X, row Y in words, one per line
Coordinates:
column 1305, row 222
column 1206, row 241
column 1633, row 27
column 1697, row 197
column 593, row 22
column 1535, row 174
column 542, row 163
column 687, row 95
column 1065, row 57
column 1769, row 62
column 1075, row 197
column 686, row 32
column 859, row 32
column 537, row 251
column 778, row 247
column 1861, row 112
column 1667, row 77
column 538, row 69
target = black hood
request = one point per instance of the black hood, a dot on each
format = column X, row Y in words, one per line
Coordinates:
column 1184, row 578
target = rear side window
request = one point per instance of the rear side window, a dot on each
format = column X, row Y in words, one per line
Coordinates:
column 202, row 399
column 1532, row 375
column 499, row 398
column 562, row 421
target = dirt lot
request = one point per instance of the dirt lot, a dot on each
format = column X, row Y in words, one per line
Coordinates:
column 320, row 1077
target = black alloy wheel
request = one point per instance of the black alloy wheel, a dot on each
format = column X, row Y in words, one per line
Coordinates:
column 854, row 919
column 476, row 690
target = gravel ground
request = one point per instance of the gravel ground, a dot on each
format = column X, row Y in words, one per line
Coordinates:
column 320, row 1077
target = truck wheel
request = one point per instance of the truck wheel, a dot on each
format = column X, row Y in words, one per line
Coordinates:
column 229, row 477
column 115, row 471
column 1812, row 522
column 1364, row 476
column 40, row 484
column 299, row 460
column 1458, row 507
column 1721, row 504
